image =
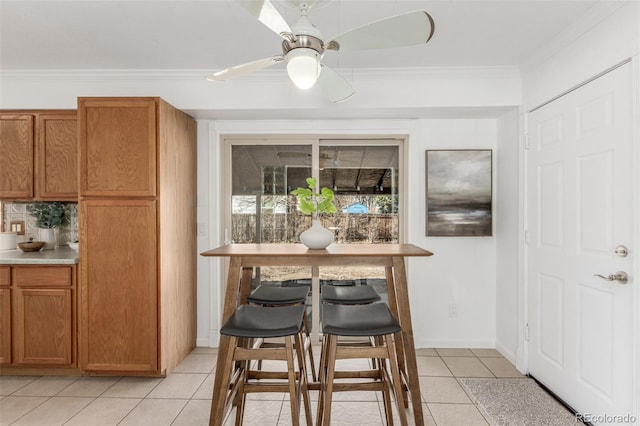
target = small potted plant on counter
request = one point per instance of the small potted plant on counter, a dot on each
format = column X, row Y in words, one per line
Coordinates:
column 49, row 216
column 314, row 203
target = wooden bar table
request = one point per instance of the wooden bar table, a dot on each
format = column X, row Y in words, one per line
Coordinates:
column 244, row 257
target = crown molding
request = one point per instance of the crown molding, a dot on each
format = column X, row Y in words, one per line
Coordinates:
column 261, row 76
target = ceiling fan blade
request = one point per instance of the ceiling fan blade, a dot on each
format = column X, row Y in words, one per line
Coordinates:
column 243, row 69
column 335, row 86
column 401, row 30
column 266, row 13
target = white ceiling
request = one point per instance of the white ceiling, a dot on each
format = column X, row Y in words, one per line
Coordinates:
column 215, row 34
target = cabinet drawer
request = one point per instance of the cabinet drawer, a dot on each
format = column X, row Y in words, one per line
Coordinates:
column 46, row 276
column 5, row 276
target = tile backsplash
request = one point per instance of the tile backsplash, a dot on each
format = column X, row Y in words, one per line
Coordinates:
column 18, row 211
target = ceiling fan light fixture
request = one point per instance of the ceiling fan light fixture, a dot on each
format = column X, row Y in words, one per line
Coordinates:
column 303, row 67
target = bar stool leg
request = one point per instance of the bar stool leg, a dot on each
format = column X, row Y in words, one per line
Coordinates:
column 386, row 397
column 309, row 349
column 294, row 395
column 303, row 382
column 397, row 380
column 241, row 396
column 331, row 369
column 322, row 374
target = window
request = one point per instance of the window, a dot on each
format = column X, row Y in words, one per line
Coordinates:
column 364, row 174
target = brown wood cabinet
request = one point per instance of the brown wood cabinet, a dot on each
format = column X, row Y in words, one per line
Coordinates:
column 119, row 285
column 57, row 162
column 118, row 155
column 137, row 235
column 16, row 161
column 38, row 316
column 39, row 160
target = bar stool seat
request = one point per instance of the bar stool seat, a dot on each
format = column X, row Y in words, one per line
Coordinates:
column 349, row 295
column 270, row 295
column 257, row 322
column 371, row 320
column 278, row 296
column 357, row 321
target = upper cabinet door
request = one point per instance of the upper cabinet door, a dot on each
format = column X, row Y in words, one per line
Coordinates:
column 57, row 165
column 117, row 147
column 16, row 156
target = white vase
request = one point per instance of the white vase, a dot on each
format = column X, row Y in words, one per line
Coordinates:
column 317, row 237
column 49, row 238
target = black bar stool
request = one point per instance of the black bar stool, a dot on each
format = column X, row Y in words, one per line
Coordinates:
column 359, row 321
column 352, row 295
column 270, row 295
column 258, row 322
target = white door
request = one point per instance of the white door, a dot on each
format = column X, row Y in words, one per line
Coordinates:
column 580, row 208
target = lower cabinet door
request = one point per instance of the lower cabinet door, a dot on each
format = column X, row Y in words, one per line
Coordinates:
column 119, row 289
column 43, row 326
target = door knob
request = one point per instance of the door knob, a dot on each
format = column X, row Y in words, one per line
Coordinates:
column 618, row 276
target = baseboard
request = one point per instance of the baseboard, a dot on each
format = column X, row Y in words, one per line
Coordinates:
column 209, row 342
column 509, row 355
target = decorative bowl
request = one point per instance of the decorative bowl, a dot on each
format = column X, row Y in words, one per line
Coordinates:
column 31, row 246
column 74, row 246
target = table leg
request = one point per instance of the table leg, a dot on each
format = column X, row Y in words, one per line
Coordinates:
column 315, row 304
column 404, row 312
column 225, row 352
column 245, row 284
column 221, row 381
column 231, row 291
column 393, row 305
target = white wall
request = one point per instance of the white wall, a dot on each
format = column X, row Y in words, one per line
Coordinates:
column 509, row 223
column 463, row 269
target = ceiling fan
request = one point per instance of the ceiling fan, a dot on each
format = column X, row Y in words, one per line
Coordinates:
column 303, row 46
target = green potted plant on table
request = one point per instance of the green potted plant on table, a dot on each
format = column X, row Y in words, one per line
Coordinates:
column 314, row 203
column 49, row 217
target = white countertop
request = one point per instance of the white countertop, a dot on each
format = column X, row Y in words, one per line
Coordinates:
column 59, row 256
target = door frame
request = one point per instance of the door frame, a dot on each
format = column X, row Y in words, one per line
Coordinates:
column 523, row 360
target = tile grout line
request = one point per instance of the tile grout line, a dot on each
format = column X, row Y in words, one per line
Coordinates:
column 80, row 410
column 26, row 396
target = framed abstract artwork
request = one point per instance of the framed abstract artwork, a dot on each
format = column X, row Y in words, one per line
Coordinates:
column 459, row 193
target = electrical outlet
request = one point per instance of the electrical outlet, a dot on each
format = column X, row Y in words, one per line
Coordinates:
column 17, row 226
column 453, row 310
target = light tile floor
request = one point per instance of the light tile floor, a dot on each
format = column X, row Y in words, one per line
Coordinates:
column 183, row 398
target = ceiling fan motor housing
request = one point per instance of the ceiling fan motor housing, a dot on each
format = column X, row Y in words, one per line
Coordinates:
column 304, row 34
column 302, row 40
